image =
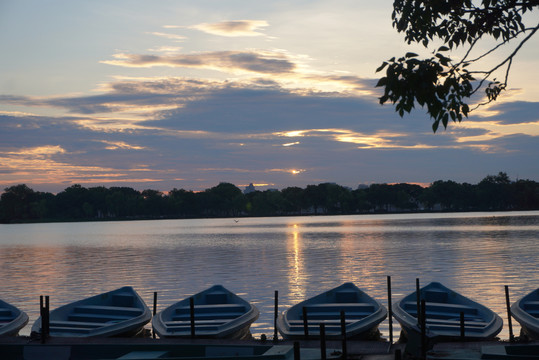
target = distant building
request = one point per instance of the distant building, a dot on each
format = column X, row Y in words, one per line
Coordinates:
column 249, row 189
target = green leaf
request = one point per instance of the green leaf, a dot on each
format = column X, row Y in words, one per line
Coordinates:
column 410, row 54
column 443, row 48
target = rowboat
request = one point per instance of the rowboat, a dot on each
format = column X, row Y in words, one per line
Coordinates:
column 362, row 315
column 11, row 319
column 526, row 312
column 443, row 310
column 120, row 312
column 217, row 313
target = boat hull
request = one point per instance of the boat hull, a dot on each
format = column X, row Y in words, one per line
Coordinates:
column 121, row 312
column 526, row 312
column 443, row 310
column 12, row 320
column 362, row 315
column 218, row 314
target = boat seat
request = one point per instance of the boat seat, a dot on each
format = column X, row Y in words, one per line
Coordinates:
column 216, row 298
column 346, row 296
column 467, row 323
column 77, row 324
column 432, row 307
column 123, row 299
column 534, row 313
column 99, row 318
column 437, row 296
column 207, row 316
column 347, row 307
column 197, row 322
column 5, row 312
column 319, row 321
column 456, row 328
column 198, row 328
column 530, row 305
column 107, row 310
column 220, row 308
column 328, row 315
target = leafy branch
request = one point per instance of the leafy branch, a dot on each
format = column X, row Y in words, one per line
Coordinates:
column 438, row 83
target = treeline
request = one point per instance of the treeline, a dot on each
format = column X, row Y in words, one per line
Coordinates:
column 20, row 203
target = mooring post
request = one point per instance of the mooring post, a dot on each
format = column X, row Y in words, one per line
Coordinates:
column 390, row 310
column 398, row 354
column 305, row 322
column 423, row 329
column 418, row 300
column 297, row 351
column 509, row 323
column 323, row 341
column 276, row 314
column 343, row 333
column 192, row 313
column 47, row 316
column 154, row 309
column 42, row 315
column 461, row 326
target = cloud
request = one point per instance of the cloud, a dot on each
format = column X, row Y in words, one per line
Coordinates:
column 233, row 28
column 169, row 36
column 264, row 62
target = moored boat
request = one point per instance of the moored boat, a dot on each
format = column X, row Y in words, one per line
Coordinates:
column 443, row 309
column 362, row 314
column 12, row 319
column 218, row 313
column 120, row 312
column 526, row 312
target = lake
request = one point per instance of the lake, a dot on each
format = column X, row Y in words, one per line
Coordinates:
column 475, row 254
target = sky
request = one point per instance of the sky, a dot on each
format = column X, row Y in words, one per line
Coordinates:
column 168, row 94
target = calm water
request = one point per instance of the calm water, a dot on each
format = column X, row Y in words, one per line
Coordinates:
column 476, row 254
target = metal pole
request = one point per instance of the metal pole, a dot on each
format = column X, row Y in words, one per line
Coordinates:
column 509, row 323
column 192, row 313
column 154, row 309
column 418, row 299
column 276, row 314
column 47, row 316
column 323, row 341
column 390, row 310
column 423, row 329
column 305, row 323
column 461, row 326
column 343, row 333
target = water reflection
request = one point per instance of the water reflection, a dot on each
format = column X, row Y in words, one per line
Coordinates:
column 475, row 254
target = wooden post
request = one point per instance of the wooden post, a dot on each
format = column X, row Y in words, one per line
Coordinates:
column 423, row 329
column 343, row 333
column 461, row 326
column 154, row 309
column 41, row 314
column 192, row 313
column 418, row 300
column 297, row 353
column 398, row 354
column 509, row 323
column 323, row 341
column 47, row 316
column 390, row 310
column 305, row 323
column 276, row 314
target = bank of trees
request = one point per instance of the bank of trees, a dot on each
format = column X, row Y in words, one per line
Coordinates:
column 20, row 203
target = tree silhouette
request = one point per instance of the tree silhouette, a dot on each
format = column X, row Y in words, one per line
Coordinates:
column 439, row 83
